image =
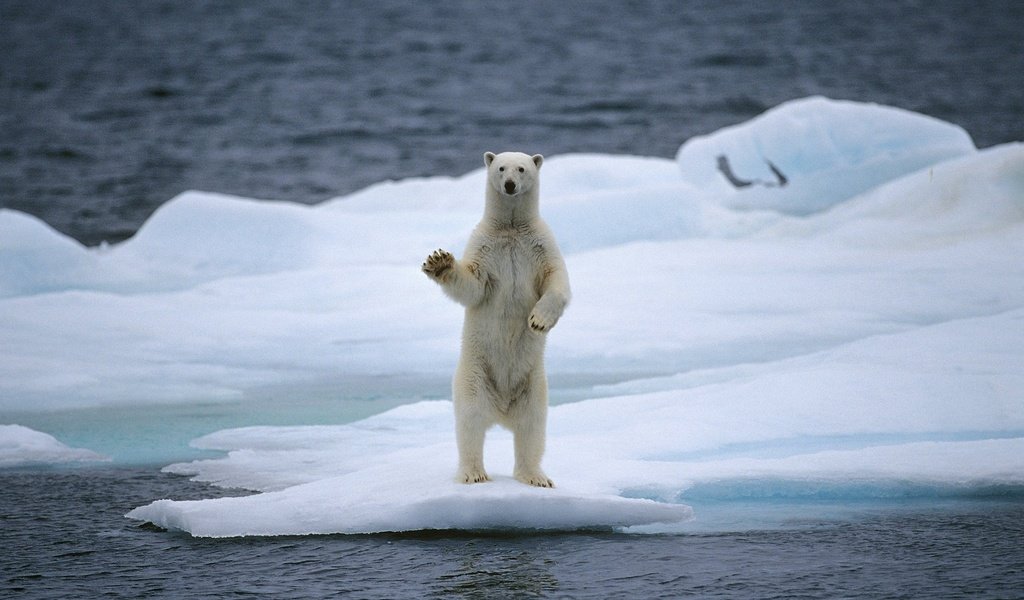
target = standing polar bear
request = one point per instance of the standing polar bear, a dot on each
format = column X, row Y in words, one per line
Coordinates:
column 513, row 283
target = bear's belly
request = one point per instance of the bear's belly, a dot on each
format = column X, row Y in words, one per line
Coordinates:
column 505, row 356
column 507, row 343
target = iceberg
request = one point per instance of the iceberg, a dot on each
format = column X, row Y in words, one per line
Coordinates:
column 21, row 446
column 808, row 154
column 834, row 311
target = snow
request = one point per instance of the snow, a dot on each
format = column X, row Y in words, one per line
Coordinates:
column 21, row 446
column 856, row 331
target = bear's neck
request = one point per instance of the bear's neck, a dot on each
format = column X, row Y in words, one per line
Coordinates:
column 510, row 211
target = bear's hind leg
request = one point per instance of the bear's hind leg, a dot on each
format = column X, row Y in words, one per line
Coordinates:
column 471, row 455
column 529, row 433
column 471, row 425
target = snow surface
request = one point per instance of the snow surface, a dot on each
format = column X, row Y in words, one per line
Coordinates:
column 21, row 446
column 859, row 330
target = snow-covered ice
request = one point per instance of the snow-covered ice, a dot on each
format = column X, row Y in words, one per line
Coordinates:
column 851, row 322
column 21, row 446
column 388, row 473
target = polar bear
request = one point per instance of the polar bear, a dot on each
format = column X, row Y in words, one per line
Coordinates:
column 513, row 283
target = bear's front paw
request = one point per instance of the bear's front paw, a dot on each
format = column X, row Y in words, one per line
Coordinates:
column 542, row 320
column 438, row 264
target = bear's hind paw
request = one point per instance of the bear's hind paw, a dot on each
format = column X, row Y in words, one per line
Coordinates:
column 472, row 476
column 537, row 479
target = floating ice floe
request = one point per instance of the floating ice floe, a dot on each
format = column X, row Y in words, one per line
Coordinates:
column 837, row 309
column 21, row 446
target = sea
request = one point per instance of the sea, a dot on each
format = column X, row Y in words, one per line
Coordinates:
column 110, row 108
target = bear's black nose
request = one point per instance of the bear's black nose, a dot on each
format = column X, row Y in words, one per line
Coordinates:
column 510, row 187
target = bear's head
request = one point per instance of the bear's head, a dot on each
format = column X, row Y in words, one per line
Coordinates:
column 512, row 173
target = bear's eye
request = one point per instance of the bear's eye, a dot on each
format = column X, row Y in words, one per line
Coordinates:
column 522, row 170
column 501, row 169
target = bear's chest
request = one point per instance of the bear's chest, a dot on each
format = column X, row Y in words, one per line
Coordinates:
column 513, row 264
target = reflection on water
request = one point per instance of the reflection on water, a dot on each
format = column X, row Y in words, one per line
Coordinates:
column 482, row 571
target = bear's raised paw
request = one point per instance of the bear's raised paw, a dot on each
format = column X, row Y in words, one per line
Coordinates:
column 438, row 264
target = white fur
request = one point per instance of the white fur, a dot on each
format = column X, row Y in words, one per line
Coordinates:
column 513, row 283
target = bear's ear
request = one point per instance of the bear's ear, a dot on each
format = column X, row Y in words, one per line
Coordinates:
column 538, row 160
column 488, row 158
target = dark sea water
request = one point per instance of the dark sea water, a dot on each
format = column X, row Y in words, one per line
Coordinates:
column 64, row 536
column 110, row 108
